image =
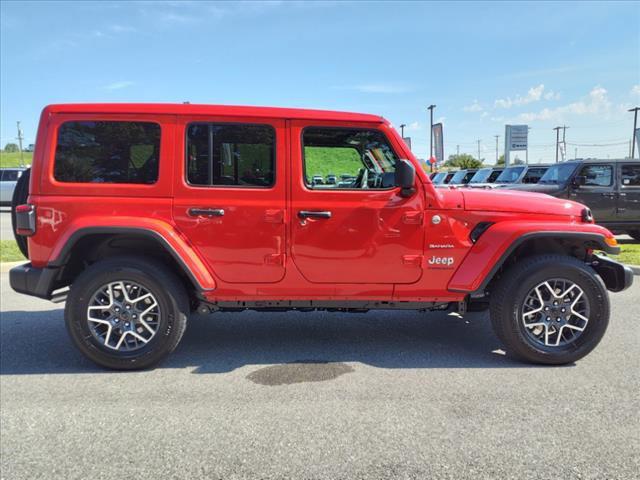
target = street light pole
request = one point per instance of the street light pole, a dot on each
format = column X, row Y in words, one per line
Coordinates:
column 430, row 108
column 635, row 127
column 402, row 125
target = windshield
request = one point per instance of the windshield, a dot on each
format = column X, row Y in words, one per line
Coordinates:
column 558, row 173
column 494, row 175
column 510, row 175
column 458, row 177
column 481, row 176
column 439, row 177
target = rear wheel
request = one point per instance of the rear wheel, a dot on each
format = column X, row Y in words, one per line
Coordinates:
column 635, row 234
column 126, row 313
column 550, row 309
column 20, row 195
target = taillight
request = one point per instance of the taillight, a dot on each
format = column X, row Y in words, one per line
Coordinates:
column 25, row 220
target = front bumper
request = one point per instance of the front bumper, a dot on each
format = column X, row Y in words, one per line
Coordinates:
column 616, row 276
column 37, row 282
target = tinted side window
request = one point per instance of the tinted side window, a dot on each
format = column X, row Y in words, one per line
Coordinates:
column 598, row 175
column 631, row 175
column 345, row 158
column 9, row 176
column 533, row 175
column 107, row 152
column 230, row 154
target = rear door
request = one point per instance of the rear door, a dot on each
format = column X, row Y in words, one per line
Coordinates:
column 230, row 195
column 599, row 191
column 629, row 192
column 356, row 229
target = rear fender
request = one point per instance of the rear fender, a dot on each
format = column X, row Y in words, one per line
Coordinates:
column 158, row 230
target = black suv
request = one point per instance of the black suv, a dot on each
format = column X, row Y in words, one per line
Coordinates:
column 610, row 188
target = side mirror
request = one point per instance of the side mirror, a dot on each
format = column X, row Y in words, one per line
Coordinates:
column 405, row 178
column 578, row 181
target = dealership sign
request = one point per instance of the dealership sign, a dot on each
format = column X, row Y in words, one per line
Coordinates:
column 517, row 136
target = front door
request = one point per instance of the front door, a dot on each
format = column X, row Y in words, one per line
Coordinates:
column 349, row 223
column 598, row 192
column 230, row 195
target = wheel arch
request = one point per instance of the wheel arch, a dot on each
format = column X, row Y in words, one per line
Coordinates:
column 90, row 244
column 472, row 278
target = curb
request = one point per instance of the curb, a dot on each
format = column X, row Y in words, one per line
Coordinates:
column 6, row 266
column 635, row 268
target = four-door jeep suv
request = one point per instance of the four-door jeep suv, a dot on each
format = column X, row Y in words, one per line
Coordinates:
column 141, row 214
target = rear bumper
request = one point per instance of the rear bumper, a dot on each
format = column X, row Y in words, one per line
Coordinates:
column 616, row 276
column 37, row 282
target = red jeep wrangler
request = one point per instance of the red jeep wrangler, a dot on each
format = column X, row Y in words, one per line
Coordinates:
column 141, row 214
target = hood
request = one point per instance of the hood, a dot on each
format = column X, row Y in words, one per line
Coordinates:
column 548, row 188
column 512, row 201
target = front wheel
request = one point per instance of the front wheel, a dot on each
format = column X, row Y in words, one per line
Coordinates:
column 550, row 309
column 126, row 313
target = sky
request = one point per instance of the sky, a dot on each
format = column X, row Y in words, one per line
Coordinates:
column 482, row 64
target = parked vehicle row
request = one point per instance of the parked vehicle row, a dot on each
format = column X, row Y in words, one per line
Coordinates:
column 489, row 177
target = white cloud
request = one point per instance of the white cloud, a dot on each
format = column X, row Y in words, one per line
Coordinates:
column 535, row 94
column 596, row 102
column 635, row 90
column 551, row 95
column 118, row 85
column 414, row 126
column 441, row 120
column 474, row 107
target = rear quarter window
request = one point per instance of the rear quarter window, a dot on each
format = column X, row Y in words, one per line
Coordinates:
column 107, row 152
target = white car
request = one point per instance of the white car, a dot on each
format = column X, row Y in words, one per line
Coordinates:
column 8, row 179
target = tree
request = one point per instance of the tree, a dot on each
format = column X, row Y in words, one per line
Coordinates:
column 10, row 147
column 515, row 161
column 464, row 160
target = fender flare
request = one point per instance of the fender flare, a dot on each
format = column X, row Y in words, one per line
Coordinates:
column 195, row 269
column 464, row 283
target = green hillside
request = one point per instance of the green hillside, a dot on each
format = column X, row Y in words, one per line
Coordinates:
column 12, row 159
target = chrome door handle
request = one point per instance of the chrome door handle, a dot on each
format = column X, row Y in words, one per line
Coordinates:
column 206, row 212
column 314, row 214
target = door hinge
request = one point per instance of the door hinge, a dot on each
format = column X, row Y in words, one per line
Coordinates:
column 274, row 259
column 412, row 260
column 412, row 218
column 274, row 216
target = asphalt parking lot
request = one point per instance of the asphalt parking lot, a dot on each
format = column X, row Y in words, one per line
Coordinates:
column 317, row 395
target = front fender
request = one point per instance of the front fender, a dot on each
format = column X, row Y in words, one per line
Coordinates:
column 158, row 230
column 496, row 244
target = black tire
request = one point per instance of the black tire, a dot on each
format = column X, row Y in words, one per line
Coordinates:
column 511, row 291
column 635, row 234
column 20, row 195
column 167, row 289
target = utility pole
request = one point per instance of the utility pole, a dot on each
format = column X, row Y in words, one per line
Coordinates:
column 430, row 108
column 575, row 156
column 557, row 129
column 20, row 145
column 497, row 137
column 635, row 127
column 402, row 125
column 479, row 151
column 458, row 150
column 564, row 142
